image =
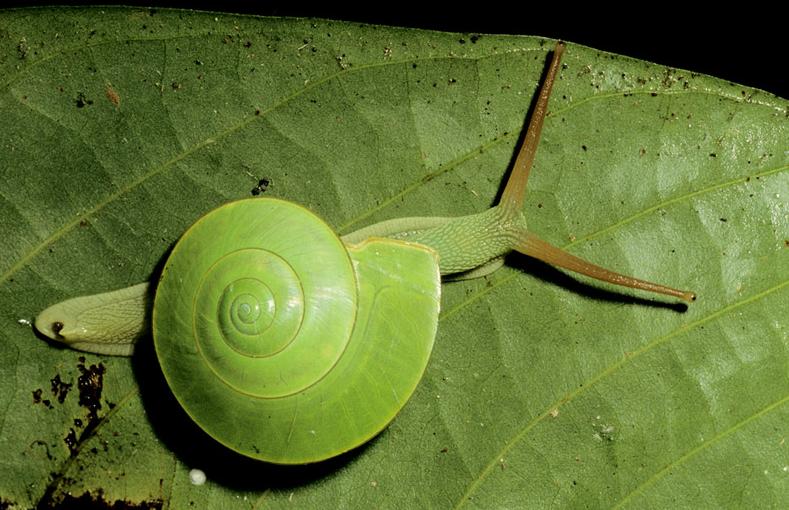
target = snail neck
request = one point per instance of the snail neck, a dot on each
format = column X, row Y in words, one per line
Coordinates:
column 463, row 243
column 468, row 242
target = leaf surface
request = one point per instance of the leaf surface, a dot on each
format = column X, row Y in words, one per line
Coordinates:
column 122, row 126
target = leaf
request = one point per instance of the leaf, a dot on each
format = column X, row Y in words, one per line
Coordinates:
column 123, row 126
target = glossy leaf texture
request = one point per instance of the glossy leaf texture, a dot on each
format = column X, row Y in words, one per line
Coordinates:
column 120, row 127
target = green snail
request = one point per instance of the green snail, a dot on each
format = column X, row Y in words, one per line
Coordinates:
column 290, row 344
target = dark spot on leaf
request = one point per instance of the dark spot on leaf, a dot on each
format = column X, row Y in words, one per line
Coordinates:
column 713, row 155
column 37, row 396
column 84, row 223
column 786, row 243
column 82, row 101
column 71, row 441
column 724, row 220
column 474, row 39
column 653, row 94
column 583, row 147
column 88, row 501
column 90, row 385
column 57, row 327
column 462, row 41
column 77, row 422
column 59, row 388
column 444, row 450
column 261, row 187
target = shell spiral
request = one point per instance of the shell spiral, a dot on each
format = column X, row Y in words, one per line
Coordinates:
column 269, row 330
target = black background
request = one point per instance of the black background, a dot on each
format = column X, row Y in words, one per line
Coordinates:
column 743, row 43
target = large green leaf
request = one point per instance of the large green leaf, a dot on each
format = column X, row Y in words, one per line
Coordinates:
column 120, row 127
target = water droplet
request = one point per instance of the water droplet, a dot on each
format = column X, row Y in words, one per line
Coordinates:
column 197, row 477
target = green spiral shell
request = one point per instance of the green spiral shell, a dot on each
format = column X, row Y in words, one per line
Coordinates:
column 284, row 344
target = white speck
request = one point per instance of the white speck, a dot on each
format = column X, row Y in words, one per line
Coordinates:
column 312, row 432
column 24, row 322
column 197, row 477
column 786, row 469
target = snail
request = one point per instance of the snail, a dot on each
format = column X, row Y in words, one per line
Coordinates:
column 290, row 344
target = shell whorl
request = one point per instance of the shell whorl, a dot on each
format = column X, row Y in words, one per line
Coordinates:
column 284, row 344
column 266, row 315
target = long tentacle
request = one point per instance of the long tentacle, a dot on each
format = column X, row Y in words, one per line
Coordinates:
column 533, row 246
column 515, row 190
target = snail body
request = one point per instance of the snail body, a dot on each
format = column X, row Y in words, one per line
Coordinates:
column 290, row 344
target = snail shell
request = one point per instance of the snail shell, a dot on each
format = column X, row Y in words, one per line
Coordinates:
column 283, row 343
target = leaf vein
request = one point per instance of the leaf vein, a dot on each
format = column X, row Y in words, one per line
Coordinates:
column 703, row 446
column 584, row 387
